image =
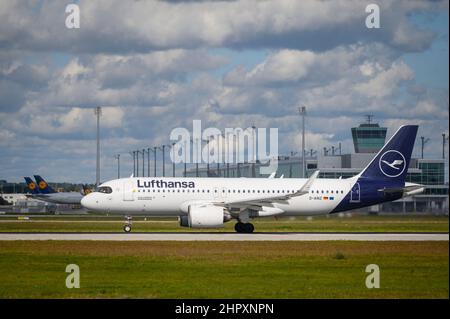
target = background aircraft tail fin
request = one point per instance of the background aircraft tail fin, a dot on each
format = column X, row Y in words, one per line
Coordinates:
column 43, row 186
column 31, row 185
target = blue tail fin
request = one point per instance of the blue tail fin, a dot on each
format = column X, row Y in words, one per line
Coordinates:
column 31, row 185
column 44, row 188
column 392, row 161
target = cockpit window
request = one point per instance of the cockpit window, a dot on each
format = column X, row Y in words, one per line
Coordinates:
column 104, row 189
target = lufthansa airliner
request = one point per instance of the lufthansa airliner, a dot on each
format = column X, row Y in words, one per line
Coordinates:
column 210, row 202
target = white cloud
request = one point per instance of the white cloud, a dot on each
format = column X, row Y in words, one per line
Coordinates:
column 118, row 26
column 386, row 82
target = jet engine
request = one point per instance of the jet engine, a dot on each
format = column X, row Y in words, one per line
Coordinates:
column 204, row 216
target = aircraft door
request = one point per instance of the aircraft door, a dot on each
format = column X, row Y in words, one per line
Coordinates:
column 355, row 194
column 128, row 191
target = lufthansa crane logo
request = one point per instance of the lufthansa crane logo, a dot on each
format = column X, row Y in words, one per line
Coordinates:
column 42, row 185
column 32, row 185
column 392, row 163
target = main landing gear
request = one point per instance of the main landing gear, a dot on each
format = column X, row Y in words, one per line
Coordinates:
column 128, row 222
column 244, row 227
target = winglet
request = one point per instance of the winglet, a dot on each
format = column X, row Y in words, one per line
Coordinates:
column 305, row 188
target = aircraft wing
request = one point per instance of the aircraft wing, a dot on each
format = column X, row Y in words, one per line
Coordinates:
column 258, row 203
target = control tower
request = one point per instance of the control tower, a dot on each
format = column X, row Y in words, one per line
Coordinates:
column 368, row 137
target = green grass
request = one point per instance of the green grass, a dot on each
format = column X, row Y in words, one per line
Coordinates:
column 356, row 223
column 36, row 269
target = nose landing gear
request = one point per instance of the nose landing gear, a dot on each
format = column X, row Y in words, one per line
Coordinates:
column 128, row 223
column 244, row 227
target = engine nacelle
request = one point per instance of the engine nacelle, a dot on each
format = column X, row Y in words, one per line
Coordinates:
column 204, row 216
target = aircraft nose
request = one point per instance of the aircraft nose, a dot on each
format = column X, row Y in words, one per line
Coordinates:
column 88, row 201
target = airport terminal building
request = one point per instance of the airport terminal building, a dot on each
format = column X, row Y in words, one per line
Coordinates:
column 368, row 139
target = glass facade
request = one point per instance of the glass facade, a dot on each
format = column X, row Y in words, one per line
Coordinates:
column 368, row 138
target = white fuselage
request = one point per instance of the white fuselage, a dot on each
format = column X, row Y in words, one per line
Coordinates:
column 169, row 197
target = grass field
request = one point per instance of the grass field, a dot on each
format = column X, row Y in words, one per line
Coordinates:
column 224, row 269
column 356, row 223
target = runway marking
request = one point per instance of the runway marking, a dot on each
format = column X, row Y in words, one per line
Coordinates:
column 228, row 236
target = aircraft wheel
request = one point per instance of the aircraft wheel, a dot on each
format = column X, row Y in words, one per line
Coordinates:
column 244, row 227
column 249, row 228
column 239, row 227
column 127, row 228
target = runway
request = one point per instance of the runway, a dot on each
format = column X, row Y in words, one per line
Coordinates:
column 228, row 236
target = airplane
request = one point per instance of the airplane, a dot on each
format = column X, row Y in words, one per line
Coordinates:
column 210, row 202
column 42, row 191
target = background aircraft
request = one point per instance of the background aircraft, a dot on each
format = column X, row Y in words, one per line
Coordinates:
column 42, row 191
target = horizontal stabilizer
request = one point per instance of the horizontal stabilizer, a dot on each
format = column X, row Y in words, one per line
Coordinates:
column 408, row 190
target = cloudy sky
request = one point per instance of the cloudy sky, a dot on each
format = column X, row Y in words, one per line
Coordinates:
column 157, row 65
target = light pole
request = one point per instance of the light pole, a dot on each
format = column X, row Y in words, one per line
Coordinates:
column 207, row 158
column 154, row 158
column 302, row 111
column 148, row 162
column 218, row 148
column 143, row 162
column 227, row 154
column 117, row 157
column 185, row 157
column 137, row 162
column 98, row 112
column 196, row 157
column 163, row 149
column 237, row 154
column 134, row 162
column 424, row 141
column 254, row 151
column 173, row 157
column 444, row 139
